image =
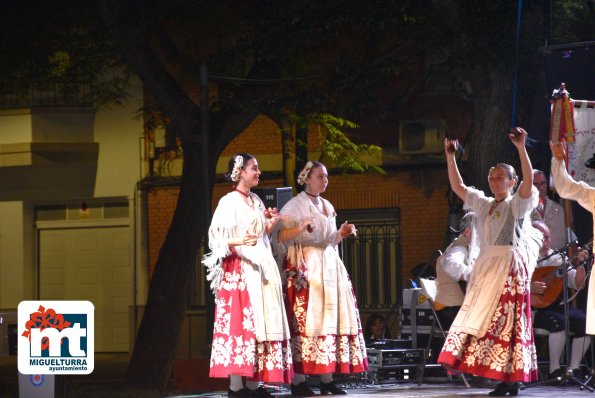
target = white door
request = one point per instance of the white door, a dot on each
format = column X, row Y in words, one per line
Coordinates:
column 90, row 264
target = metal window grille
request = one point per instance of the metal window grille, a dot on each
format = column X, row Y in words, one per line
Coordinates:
column 373, row 258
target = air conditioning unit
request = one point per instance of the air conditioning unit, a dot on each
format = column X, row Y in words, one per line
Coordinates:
column 421, row 137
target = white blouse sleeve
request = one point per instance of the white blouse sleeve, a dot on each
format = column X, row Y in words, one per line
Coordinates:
column 221, row 230
column 570, row 189
column 454, row 263
column 522, row 207
column 475, row 200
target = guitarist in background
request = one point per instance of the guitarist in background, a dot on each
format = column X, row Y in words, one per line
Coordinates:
column 452, row 271
column 546, row 295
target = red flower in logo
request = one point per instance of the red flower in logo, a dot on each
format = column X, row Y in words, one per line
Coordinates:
column 43, row 319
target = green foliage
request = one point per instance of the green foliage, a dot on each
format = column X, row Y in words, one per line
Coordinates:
column 60, row 44
column 572, row 21
column 338, row 148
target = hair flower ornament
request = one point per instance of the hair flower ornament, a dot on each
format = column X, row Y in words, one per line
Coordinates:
column 304, row 173
column 237, row 167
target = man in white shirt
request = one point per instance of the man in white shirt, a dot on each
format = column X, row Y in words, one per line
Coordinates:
column 452, row 272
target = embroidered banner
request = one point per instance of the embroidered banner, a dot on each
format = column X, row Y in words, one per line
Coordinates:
column 573, row 121
column 584, row 145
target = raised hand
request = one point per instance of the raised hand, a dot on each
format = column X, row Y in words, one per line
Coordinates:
column 450, row 146
column 518, row 136
column 558, row 150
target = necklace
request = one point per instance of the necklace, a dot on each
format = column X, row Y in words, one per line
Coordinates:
column 316, row 201
column 247, row 195
column 493, row 212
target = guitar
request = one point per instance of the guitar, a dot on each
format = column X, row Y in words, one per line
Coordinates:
column 554, row 280
column 552, row 277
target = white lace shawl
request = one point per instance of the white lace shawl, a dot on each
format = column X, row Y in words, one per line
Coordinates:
column 517, row 225
column 231, row 219
column 292, row 214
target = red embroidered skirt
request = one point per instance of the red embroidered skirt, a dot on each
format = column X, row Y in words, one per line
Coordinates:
column 507, row 351
column 321, row 354
column 235, row 348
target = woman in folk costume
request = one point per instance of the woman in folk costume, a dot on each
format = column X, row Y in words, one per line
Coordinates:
column 492, row 335
column 584, row 194
column 251, row 334
column 324, row 319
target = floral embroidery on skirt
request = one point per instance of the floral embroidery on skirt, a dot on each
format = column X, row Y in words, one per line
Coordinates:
column 235, row 348
column 317, row 354
column 507, row 351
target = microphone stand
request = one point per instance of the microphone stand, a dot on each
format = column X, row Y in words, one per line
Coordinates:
column 561, row 251
column 567, row 375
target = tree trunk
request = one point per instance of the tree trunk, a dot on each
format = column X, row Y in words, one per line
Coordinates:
column 158, row 334
column 301, row 151
column 488, row 141
column 289, row 155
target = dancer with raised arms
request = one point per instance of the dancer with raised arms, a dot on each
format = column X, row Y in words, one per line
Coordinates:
column 492, row 335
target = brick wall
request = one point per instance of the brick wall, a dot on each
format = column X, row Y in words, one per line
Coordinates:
column 261, row 136
column 423, row 206
column 264, row 136
column 161, row 203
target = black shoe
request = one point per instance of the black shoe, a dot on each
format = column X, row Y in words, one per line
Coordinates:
column 243, row 393
column 558, row 373
column 578, row 373
column 260, row 392
column 558, row 378
column 301, row 390
column 331, row 388
column 505, row 388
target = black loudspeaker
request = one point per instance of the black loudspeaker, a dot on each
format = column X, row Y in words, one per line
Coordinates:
column 274, row 197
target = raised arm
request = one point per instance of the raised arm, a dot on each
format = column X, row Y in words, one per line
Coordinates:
column 518, row 137
column 454, row 177
column 565, row 185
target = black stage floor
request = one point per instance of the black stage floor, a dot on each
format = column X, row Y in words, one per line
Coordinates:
column 364, row 386
column 433, row 390
column 112, row 367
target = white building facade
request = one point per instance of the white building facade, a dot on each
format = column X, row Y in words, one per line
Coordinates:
column 69, row 219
